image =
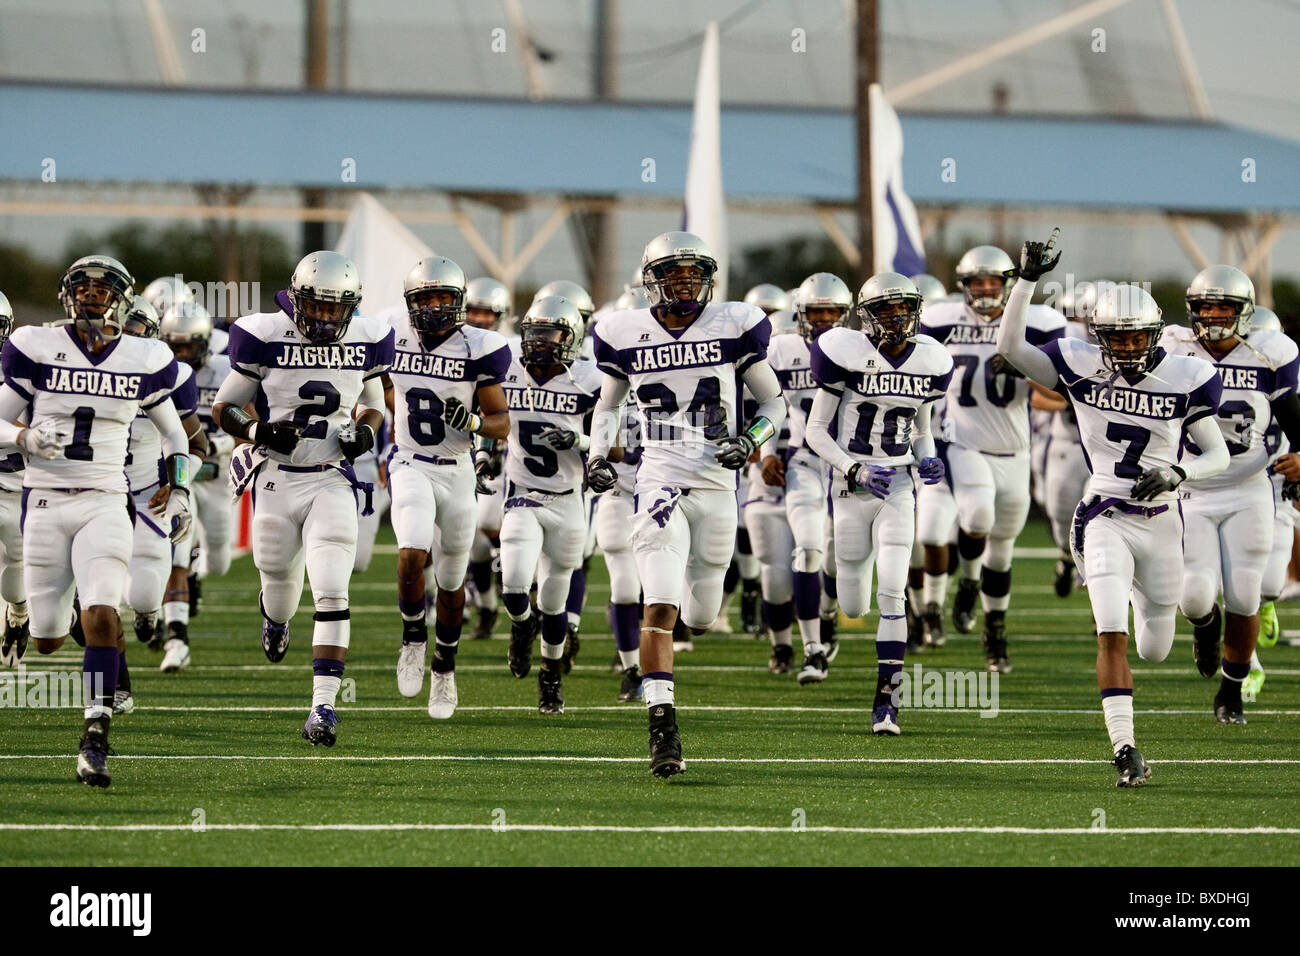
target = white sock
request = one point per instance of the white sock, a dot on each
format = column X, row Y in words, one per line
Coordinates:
column 324, row 690
column 830, row 606
column 552, row 652
column 658, row 692
column 176, row 611
column 1119, row 720
column 811, row 634
column 630, row 658
column 934, row 589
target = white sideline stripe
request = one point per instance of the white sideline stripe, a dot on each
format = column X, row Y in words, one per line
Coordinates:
column 578, row 758
column 609, row 828
column 702, row 708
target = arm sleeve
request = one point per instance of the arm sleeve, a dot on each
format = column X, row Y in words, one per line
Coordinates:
column 168, row 423
column 372, row 395
column 1214, row 451
column 1287, row 412
column 237, row 389
column 604, row 420
column 766, row 390
column 819, row 439
column 1012, row 344
column 922, row 442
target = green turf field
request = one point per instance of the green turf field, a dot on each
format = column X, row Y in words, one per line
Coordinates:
column 211, row 769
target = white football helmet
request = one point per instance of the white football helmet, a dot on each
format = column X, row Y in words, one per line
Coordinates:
column 489, row 295
column 6, row 319
column 1265, row 319
column 96, row 293
column 575, row 293
column 985, row 261
column 325, row 291
column 768, row 297
column 1120, row 310
column 633, row 297
column 880, row 290
column 931, row 289
column 431, row 274
column 665, row 283
column 551, row 332
column 165, row 290
column 1221, row 284
column 821, row 290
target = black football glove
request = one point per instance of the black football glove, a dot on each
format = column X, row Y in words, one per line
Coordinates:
column 456, row 415
column 1155, row 481
column 279, row 436
column 601, row 475
column 734, row 452
column 1291, row 490
column 558, row 439
column 1001, row 365
column 1037, row 259
column 355, row 440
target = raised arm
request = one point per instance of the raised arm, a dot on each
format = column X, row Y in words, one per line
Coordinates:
column 1036, row 260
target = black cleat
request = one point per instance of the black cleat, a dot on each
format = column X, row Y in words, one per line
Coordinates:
column 782, row 659
column 146, row 626
column 571, row 646
column 1064, row 582
column 487, row 620
column 995, row 642
column 932, row 626
column 1227, row 703
column 550, row 692
column 665, row 742
column 1133, row 768
column 829, row 638
column 196, row 595
column 751, row 621
column 814, row 669
column 159, row 636
column 14, row 644
column 92, row 761
column 630, row 689
column 520, row 655
column 963, row 605
column 1205, row 644
column 617, row 666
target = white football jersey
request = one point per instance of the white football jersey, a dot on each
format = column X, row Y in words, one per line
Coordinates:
column 879, row 395
column 686, row 385
column 208, row 380
column 316, row 386
column 989, row 412
column 1065, row 428
column 564, row 401
column 788, row 356
column 93, row 398
column 457, row 367
column 1254, row 376
column 144, row 457
column 1129, row 426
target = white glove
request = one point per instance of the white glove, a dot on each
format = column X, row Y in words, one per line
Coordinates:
column 46, row 440
column 177, row 515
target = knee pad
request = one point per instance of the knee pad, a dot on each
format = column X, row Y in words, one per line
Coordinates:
column 807, row 560
column 1154, row 632
column 1199, row 591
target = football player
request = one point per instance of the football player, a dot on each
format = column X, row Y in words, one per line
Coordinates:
column 82, row 384
column 442, row 367
column 305, row 368
column 987, row 403
column 822, row 303
column 875, row 389
column 681, row 358
column 12, row 463
column 550, row 395
column 1135, row 404
column 151, row 552
column 1228, row 517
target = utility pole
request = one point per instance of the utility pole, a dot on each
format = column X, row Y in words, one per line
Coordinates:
column 601, row 221
column 317, row 75
column 868, row 72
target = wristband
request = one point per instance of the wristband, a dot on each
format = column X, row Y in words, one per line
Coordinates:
column 760, row 430
column 178, row 472
column 238, row 422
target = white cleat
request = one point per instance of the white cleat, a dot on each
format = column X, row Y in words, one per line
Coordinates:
column 410, row 668
column 721, row 624
column 176, row 656
column 442, row 695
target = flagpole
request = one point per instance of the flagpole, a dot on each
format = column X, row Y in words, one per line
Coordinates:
column 868, row 72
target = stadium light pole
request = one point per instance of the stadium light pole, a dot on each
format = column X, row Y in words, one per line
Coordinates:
column 868, row 72
column 316, row 40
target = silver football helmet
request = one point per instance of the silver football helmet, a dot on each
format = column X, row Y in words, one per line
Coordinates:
column 325, row 291
column 163, row 291
column 784, row 322
column 931, row 288
column 1121, row 310
column 435, row 274
column 768, row 297
column 664, row 274
column 1221, row 285
column 633, row 297
column 1263, row 319
column 141, row 319
column 821, row 290
column 986, row 261
column 489, row 295
column 881, row 290
column 575, row 293
column 187, row 328
column 96, row 293
column 6, row 319
column 551, row 332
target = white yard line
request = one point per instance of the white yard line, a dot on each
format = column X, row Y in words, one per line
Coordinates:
column 700, row 708
column 581, row 758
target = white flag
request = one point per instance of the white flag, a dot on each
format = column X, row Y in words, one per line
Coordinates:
column 895, row 228
column 706, row 214
column 384, row 251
